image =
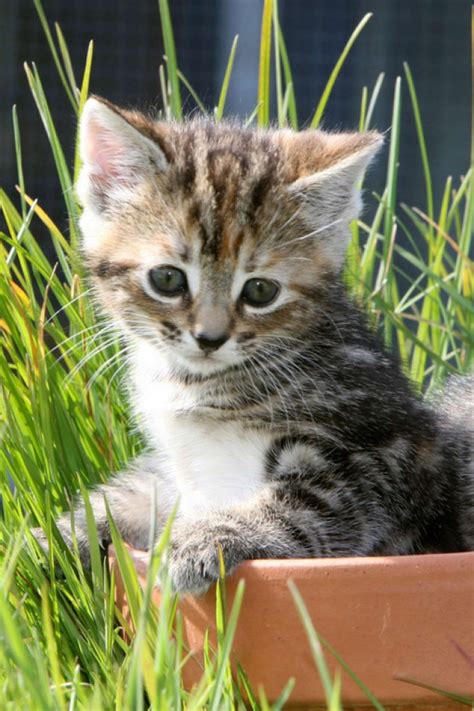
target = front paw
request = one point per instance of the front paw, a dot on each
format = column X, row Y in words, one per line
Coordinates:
column 194, row 556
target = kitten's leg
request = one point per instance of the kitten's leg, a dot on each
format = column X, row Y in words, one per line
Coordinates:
column 130, row 499
column 303, row 512
column 266, row 530
column 263, row 531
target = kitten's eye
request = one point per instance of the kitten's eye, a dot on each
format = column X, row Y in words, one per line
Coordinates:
column 259, row 292
column 168, row 281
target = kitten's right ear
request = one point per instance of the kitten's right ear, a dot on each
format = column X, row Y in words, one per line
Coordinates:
column 115, row 155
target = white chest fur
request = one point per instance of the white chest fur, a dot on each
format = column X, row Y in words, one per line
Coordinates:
column 215, row 465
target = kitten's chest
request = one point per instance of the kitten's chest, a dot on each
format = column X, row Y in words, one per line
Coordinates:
column 215, row 465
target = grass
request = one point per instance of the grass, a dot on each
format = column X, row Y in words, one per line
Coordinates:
column 64, row 425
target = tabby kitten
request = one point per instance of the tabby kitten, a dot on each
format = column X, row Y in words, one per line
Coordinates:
column 275, row 417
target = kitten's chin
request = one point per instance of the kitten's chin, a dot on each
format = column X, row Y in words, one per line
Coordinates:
column 201, row 364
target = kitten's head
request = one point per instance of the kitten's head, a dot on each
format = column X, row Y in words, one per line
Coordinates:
column 210, row 240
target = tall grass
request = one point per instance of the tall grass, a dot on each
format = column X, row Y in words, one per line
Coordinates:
column 64, row 423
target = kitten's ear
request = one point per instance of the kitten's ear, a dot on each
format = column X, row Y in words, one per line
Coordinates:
column 115, row 155
column 326, row 171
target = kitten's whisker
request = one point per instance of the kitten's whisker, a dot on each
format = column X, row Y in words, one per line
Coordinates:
column 108, row 364
column 87, row 342
column 95, row 352
column 267, row 373
column 298, row 259
column 291, row 364
column 331, row 320
column 68, row 304
column 292, row 372
column 258, row 393
column 275, row 236
column 126, row 362
column 314, row 232
column 308, row 358
column 73, row 336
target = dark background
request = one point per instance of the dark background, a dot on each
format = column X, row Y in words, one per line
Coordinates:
column 433, row 36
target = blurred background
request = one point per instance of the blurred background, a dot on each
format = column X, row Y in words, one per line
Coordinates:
column 433, row 36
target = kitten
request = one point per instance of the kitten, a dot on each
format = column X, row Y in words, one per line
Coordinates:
column 275, row 417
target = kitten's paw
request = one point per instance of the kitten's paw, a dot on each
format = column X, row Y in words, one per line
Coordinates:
column 194, row 557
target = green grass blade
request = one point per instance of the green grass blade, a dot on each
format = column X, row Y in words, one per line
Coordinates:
column 21, row 232
column 320, row 108
column 52, row 648
column 219, row 110
column 365, row 690
column 170, row 51
column 83, row 94
column 373, row 101
column 421, row 140
column 314, row 643
column 280, row 702
column 465, row 700
column 336, row 702
column 292, row 112
column 392, row 167
column 251, row 118
column 363, row 109
column 68, row 68
column 195, row 96
column 263, row 99
column 164, row 92
column 472, row 95
column 281, row 114
column 58, row 154
column 391, row 193
column 52, row 47
column 19, row 160
column 225, row 647
column 127, row 571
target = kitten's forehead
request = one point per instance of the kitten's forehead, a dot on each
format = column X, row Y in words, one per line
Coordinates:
column 220, row 153
column 225, row 180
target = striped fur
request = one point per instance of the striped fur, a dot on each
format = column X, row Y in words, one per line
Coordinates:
column 299, row 436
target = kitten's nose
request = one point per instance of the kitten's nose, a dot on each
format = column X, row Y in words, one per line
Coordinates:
column 208, row 343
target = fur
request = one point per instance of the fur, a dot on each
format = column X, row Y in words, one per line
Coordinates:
column 298, row 435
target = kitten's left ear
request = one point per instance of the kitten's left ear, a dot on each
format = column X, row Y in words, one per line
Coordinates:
column 326, row 169
column 116, row 154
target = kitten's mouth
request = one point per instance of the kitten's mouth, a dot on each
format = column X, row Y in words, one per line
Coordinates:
column 205, row 363
column 199, row 357
column 208, row 360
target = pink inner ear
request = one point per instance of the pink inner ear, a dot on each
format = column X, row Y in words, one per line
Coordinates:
column 104, row 151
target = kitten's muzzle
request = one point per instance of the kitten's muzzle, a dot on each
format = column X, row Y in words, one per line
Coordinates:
column 208, row 344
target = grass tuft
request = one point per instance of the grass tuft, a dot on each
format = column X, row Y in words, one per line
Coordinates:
column 64, row 425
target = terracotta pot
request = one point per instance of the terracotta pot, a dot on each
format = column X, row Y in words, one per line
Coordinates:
column 388, row 618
